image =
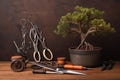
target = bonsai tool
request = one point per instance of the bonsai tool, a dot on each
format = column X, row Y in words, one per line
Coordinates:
column 107, row 65
column 18, row 64
column 45, row 48
column 35, row 37
column 54, row 70
column 74, row 67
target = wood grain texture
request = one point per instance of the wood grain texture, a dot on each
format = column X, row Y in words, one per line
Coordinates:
column 94, row 74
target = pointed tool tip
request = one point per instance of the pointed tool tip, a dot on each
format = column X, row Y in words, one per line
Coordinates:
column 84, row 74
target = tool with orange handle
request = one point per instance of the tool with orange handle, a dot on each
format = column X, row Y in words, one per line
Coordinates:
column 76, row 67
column 55, row 70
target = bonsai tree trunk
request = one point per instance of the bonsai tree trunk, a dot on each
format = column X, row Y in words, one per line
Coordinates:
column 85, row 45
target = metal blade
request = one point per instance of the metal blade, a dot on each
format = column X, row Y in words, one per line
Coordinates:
column 43, row 66
column 70, row 72
column 74, row 72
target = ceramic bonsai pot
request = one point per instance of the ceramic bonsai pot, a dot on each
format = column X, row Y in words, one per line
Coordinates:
column 85, row 57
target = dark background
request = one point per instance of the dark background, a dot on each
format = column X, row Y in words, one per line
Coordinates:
column 46, row 13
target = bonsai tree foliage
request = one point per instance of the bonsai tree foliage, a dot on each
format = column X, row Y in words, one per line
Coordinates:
column 84, row 22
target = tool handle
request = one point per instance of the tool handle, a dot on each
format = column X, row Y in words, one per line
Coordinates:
column 39, row 71
column 69, row 66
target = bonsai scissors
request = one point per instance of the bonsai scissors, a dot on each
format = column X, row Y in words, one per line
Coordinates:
column 54, row 70
column 35, row 37
column 45, row 49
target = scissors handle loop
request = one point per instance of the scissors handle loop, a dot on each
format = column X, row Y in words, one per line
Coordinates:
column 50, row 52
column 36, row 56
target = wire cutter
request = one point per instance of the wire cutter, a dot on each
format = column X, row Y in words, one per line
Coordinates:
column 107, row 65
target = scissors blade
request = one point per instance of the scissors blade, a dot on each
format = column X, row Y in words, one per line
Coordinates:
column 43, row 66
column 47, row 67
column 71, row 72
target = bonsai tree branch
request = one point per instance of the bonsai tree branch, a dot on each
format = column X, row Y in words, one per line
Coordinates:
column 75, row 30
column 83, row 21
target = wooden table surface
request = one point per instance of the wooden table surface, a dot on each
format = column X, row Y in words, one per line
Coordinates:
column 94, row 74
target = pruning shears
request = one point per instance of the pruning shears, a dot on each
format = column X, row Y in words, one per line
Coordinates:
column 54, row 70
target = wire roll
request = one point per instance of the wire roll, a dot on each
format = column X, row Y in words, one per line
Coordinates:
column 18, row 65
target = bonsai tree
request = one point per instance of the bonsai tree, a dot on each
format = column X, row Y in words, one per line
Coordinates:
column 83, row 22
